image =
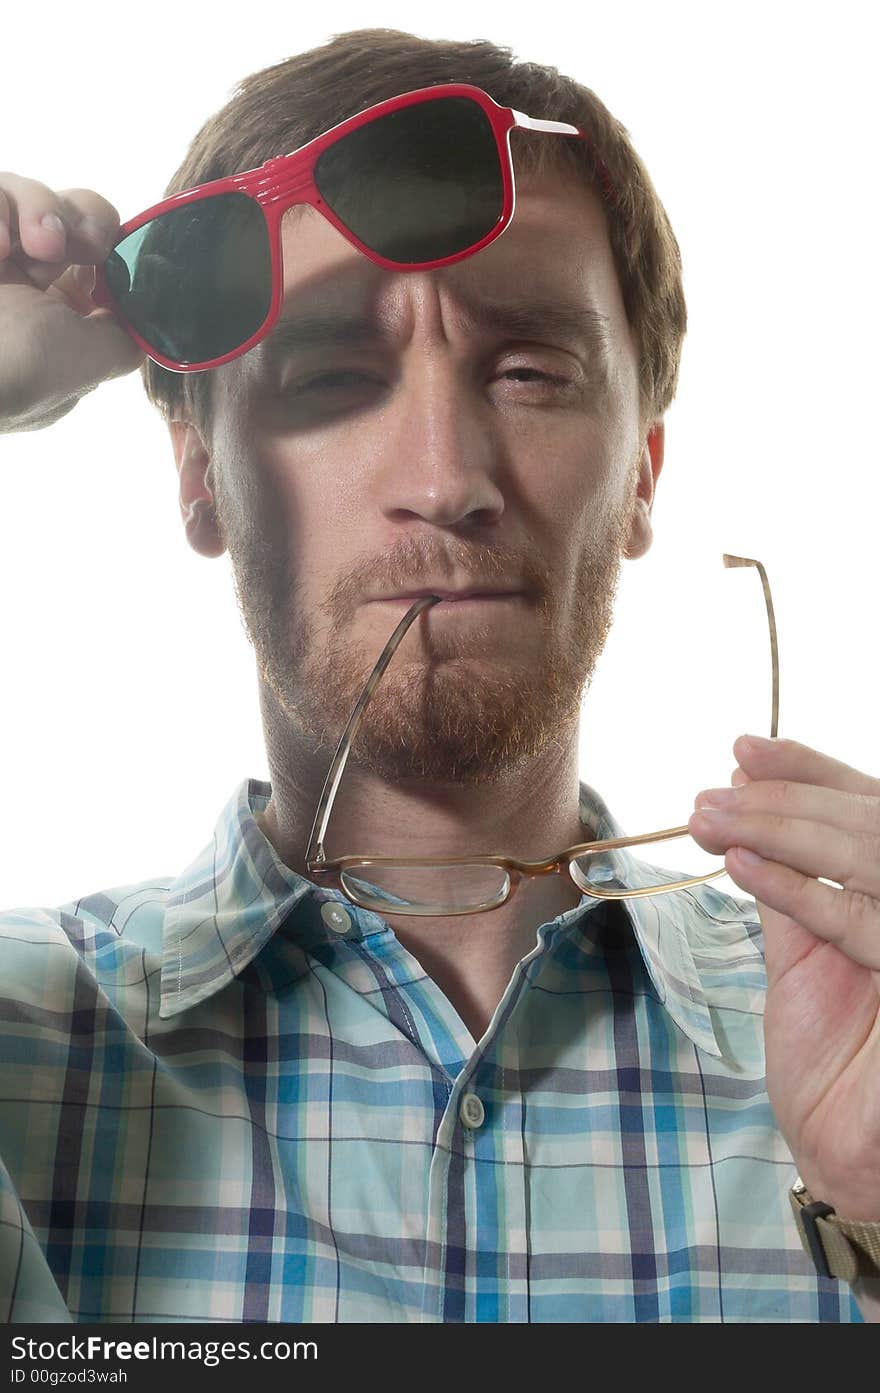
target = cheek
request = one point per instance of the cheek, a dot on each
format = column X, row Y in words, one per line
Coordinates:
column 314, row 521
column 291, row 511
column 267, row 499
column 579, row 486
column 588, row 529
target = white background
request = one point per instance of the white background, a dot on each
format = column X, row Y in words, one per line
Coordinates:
column 128, row 703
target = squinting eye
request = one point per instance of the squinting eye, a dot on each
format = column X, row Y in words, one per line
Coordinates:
column 326, row 381
column 538, row 380
column 534, row 374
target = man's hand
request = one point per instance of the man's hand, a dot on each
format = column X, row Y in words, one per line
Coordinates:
column 54, row 344
column 803, row 815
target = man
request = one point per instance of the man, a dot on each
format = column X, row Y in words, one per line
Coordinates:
column 243, row 1095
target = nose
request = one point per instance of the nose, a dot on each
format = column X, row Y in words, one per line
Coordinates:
column 440, row 458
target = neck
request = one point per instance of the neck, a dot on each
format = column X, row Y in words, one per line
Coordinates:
column 529, row 812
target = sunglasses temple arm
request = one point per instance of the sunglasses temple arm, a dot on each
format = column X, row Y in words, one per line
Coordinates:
column 315, row 851
column 771, row 620
column 534, row 123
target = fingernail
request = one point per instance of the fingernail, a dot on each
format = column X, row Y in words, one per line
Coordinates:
column 750, row 857
column 758, row 742
column 52, row 223
column 715, row 798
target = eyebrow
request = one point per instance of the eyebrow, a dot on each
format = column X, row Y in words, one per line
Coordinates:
column 579, row 325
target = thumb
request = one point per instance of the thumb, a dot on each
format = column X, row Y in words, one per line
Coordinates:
column 100, row 347
column 785, row 942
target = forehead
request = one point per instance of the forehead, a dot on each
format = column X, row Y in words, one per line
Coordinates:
column 555, row 252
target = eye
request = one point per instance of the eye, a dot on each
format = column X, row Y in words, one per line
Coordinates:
column 533, row 375
column 340, row 380
column 536, row 384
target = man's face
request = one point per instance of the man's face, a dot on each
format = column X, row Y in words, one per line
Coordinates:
column 472, row 428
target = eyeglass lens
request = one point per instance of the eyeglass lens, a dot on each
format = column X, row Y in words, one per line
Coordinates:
column 426, row 889
column 196, row 282
column 419, row 184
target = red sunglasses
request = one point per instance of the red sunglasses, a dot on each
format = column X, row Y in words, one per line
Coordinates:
column 416, row 182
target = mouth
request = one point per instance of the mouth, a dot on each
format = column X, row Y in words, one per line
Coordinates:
column 457, row 597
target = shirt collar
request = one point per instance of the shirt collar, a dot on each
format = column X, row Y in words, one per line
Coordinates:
column 228, row 903
column 660, row 925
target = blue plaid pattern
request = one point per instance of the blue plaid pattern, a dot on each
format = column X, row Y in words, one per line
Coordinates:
column 221, row 1099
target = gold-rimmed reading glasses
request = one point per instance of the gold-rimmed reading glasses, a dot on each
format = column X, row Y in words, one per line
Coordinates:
column 442, row 886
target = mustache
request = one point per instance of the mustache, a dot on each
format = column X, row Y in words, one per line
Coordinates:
column 407, row 564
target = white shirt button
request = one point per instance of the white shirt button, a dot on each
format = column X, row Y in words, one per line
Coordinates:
column 336, row 917
column 471, row 1111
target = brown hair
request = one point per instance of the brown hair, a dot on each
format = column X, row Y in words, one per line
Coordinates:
column 280, row 108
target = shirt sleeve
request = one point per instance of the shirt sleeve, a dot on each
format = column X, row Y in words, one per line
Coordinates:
column 28, row 1291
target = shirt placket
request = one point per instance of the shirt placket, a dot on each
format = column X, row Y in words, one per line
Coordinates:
column 478, row 1231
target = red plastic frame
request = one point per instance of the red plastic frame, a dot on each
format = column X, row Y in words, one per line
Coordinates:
column 288, row 179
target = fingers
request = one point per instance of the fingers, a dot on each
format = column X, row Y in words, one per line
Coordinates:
column 788, row 759
column 814, row 848
column 847, row 918
column 55, row 344
column 794, row 820
column 42, row 232
column 858, row 813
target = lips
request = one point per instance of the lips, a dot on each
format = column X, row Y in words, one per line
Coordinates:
column 451, row 596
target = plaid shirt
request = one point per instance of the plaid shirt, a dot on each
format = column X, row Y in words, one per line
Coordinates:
column 232, row 1097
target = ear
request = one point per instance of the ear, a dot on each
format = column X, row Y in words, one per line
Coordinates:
column 196, row 499
column 641, row 532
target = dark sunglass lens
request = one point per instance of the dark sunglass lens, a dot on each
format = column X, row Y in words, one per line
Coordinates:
column 419, row 184
column 196, row 283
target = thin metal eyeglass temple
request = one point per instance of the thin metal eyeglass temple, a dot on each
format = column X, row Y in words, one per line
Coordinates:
column 315, row 850
column 771, row 621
